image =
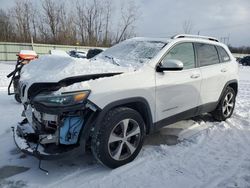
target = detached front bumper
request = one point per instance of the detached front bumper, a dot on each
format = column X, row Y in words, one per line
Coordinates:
column 23, row 134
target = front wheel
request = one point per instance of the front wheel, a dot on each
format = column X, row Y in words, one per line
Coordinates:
column 226, row 105
column 120, row 137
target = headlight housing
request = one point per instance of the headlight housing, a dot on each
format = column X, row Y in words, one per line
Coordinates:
column 63, row 100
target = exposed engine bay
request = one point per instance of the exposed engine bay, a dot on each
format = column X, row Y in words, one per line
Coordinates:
column 48, row 135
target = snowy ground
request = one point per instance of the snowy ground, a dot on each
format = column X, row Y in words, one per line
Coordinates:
column 208, row 154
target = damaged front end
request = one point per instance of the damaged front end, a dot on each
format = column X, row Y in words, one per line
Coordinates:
column 54, row 124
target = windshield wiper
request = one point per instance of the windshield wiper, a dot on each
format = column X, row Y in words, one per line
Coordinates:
column 113, row 61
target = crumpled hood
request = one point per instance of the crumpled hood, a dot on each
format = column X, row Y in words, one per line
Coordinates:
column 52, row 68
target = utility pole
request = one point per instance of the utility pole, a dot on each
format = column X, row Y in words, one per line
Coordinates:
column 32, row 43
column 225, row 40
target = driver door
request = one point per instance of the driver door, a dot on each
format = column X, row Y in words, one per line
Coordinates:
column 178, row 91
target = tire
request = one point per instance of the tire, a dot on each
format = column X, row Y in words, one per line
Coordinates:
column 110, row 146
column 226, row 105
column 17, row 98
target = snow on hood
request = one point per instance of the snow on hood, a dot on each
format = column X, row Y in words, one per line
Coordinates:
column 52, row 68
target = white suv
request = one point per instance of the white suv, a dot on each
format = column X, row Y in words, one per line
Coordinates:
column 128, row 91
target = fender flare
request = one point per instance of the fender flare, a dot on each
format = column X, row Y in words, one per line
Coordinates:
column 123, row 102
column 234, row 81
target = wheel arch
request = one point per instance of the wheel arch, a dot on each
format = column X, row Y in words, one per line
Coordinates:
column 139, row 104
column 231, row 83
column 234, row 85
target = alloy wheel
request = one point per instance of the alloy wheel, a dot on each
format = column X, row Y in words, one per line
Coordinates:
column 124, row 139
column 228, row 104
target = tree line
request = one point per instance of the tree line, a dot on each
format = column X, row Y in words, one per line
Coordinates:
column 83, row 22
column 240, row 50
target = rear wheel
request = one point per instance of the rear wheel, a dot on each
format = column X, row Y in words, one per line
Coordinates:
column 120, row 138
column 226, row 105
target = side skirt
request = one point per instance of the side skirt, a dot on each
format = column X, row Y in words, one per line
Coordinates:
column 185, row 115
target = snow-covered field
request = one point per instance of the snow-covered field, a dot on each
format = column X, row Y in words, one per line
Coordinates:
column 208, row 154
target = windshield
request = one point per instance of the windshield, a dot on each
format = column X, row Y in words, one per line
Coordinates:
column 132, row 53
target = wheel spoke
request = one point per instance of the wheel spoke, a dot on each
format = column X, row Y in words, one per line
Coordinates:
column 230, row 105
column 118, row 152
column 130, row 147
column 125, row 123
column 228, row 111
column 224, row 109
column 134, row 132
column 121, row 143
column 114, row 138
column 226, row 99
column 230, row 97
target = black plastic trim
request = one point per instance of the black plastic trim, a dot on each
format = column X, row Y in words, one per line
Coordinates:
column 234, row 81
column 175, row 118
column 124, row 102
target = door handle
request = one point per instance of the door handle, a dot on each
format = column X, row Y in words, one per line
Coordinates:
column 195, row 76
column 223, row 70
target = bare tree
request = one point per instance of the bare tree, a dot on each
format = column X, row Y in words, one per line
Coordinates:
column 128, row 18
column 7, row 32
column 50, row 19
column 94, row 22
column 23, row 14
column 89, row 21
column 187, row 26
column 66, row 30
column 107, row 21
column 80, row 21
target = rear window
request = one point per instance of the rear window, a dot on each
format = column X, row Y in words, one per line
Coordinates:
column 207, row 54
column 223, row 54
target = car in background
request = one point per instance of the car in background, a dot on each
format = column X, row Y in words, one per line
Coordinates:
column 78, row 54
column 93, row 52
column 238, row 59
column 82, row 54
column 245, row 61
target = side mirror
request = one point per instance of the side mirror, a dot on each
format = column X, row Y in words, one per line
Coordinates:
column 170, row 65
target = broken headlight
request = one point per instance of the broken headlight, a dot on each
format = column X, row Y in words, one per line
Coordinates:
column 65, row 99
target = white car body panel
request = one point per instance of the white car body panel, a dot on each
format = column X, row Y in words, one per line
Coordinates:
column 176, row 92
column 136, row 84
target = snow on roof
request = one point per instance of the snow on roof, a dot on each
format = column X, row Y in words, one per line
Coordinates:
column 165, row 40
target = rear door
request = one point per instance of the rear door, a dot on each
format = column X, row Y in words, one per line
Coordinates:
column 213, row 73
column 178, row 91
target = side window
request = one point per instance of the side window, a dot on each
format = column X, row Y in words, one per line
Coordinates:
column 223, row 54
column 183, row 52
column 207, row 54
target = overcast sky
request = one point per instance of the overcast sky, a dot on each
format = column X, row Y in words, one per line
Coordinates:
column 164, row 18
